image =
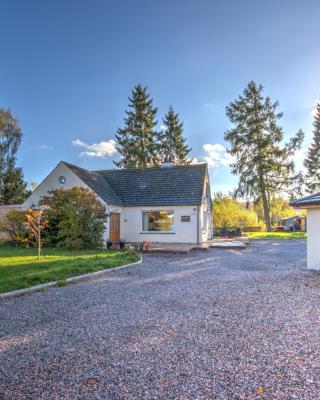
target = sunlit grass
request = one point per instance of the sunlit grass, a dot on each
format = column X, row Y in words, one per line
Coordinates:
column 277, row 235
column 20, row 268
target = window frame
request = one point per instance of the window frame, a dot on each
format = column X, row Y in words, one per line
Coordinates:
column 158, row 232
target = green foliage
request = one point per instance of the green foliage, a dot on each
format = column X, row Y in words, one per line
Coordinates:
column 172, row 143
column 279, row 209
column 14, row 225
column 229, row 213
column 265, row 166
column 75, row 219
column 12, row 186
column 312, row 160
column 137, row 142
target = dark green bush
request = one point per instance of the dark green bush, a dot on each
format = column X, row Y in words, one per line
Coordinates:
column 14, row 225
column 75, row 219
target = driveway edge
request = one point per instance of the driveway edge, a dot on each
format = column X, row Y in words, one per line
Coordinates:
column 21, row 292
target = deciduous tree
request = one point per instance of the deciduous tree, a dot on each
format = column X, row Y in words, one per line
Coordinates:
column 36, row 222
column 229, row 213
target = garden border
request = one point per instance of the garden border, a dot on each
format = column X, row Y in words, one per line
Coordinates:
column 31, row 289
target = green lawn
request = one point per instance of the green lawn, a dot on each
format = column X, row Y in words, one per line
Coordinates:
column 20, row 268
column 277, row 235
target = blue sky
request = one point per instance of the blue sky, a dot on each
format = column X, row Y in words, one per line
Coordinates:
column 67, row 68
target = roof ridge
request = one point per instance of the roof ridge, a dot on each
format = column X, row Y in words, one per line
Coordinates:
column 151, row 168
column 77, row 170
column 76, row 166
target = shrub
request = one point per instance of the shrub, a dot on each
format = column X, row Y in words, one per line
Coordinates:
column 229, row 213
column 75, row 219
column 14, row 225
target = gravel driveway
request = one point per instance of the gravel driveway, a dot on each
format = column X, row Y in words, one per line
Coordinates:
column 220, row 324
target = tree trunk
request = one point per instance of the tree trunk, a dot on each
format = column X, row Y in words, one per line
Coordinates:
column 264, row 194
column 39, row 252
column 266, row 211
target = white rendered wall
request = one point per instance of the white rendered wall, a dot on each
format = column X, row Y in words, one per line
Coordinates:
column 313, row 228
column 184, row 232
column 52, row 182
column 205, row 225
column 205, row 213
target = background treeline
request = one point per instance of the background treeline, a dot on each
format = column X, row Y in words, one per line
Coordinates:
column 229, row 212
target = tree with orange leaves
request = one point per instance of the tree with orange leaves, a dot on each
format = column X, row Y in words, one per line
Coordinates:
column 36, row 222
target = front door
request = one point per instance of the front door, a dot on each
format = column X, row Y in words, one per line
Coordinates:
column 114, row 226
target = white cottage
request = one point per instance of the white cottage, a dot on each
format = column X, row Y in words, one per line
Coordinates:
column 170, row 203
column 312, row 205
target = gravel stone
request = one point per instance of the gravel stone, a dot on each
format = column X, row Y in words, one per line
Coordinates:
column 221, row 324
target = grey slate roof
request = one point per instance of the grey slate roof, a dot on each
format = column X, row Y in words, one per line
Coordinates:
column 160, row 186
column 312, row 200
column 96, row 183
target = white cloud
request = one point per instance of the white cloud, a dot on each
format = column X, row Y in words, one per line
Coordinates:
column 217, row 155
column 162, row 127
column 102, row 149
column 43, row 147
column 299, row 157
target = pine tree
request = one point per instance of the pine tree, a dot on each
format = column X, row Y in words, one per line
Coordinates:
column 265, row 168
column 137, row 142
column 172, row 142
column 312, row 160
column 12, row 186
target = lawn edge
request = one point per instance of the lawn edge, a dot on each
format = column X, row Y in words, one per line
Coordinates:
column 277, row 238
column 32, row 289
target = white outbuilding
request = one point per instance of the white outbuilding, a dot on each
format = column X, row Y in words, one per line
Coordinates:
column 312, row 205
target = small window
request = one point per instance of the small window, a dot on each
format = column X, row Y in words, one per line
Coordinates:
column 62, row 180
column 157, row 221
column 185, row 218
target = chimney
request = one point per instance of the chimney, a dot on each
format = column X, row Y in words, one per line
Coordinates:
column 167, row 164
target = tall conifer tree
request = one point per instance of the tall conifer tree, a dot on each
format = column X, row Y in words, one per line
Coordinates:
column 172, row 143
column 137, row 142
column 12, row 186
column 264, row 166
column 312, row 160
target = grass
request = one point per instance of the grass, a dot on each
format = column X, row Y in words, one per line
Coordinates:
column 20, row 268
column 277, row 235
